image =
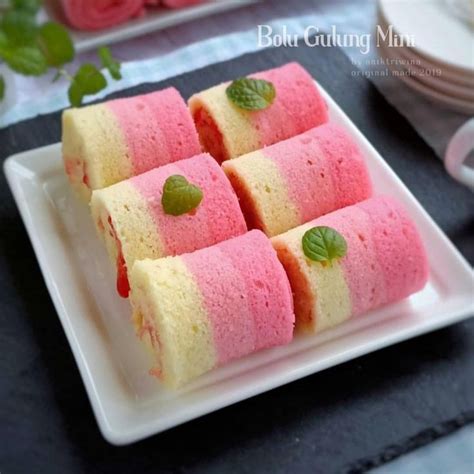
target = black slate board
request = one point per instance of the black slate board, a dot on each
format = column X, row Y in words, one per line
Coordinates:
column 346, row 419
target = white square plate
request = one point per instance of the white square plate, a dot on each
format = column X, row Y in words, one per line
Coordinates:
column 129, row 404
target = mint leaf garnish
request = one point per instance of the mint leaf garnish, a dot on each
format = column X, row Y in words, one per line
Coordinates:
column 251, row 94
column 180, row 196
column 30, row 6
column 87, row 80
column 323, row 244
column 56, row 44
column 2, row 88
column 109, row 62
column 19, row 27
column 28, row 60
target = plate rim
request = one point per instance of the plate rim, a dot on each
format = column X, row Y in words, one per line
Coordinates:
column 436, row 83
column 428, row 55
column 434, row 95
column 411, row 54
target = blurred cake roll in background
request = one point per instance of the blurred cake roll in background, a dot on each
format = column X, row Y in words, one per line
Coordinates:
column 101, row 14
column 97, row 15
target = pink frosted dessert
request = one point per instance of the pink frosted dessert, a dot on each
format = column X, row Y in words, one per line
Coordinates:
column 109, row 142
column 97, row 15
column 201, row 310
column 131, row 219
column 385, row 262
column 284, row 185
column 227, row 131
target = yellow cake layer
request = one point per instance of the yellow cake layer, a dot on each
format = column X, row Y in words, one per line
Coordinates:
column 165, row 295
column 322, row 297
column 239, row 135
column 257, row 179
column 92, row 135
column 132, row 221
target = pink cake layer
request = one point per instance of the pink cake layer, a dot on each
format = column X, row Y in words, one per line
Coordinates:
column 323, row 170
column 246, row 294
column 385, row 260
column 297, row 107
column 362, row 271
column 217, row 218
column 157, row 127
column 398, row 246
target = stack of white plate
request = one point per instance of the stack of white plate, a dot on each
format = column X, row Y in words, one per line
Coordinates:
column 430, row 48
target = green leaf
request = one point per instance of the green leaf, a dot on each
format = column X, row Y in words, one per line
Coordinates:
column 323, row 244
column 3, row 40
column 109, row 62
column 90, row 79
column 27, row 60
column 30, row 6
column 75, row 95
column 56, row 44
column 19, row 27
column 180, row 196
column 87, row 80
column 2, row 88
column 251, row 94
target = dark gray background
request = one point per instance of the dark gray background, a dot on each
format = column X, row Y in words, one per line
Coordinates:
column 345, row 419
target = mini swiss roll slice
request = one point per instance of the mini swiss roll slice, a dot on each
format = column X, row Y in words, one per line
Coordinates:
column 200, row 310
column 170, row 210
column 299, row 179
column 227, row 130
column 109, row 142
column 351, row 261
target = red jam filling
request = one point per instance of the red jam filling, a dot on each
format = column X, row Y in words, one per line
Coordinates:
column 123, row 285
column 76, row 170
column 149, row 329
column 247, row 203
column 100, row 225
column 155, row 372
column 70, row 166
column 85, row 177
column 209, row 135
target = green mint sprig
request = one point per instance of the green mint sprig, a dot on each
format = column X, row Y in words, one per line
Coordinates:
column 251, row 94
column 109, row 62
column 323, row 244
column 88, row 80
column 31, row 6
column 33, row 49
column 55, row 43
column 180, row 196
